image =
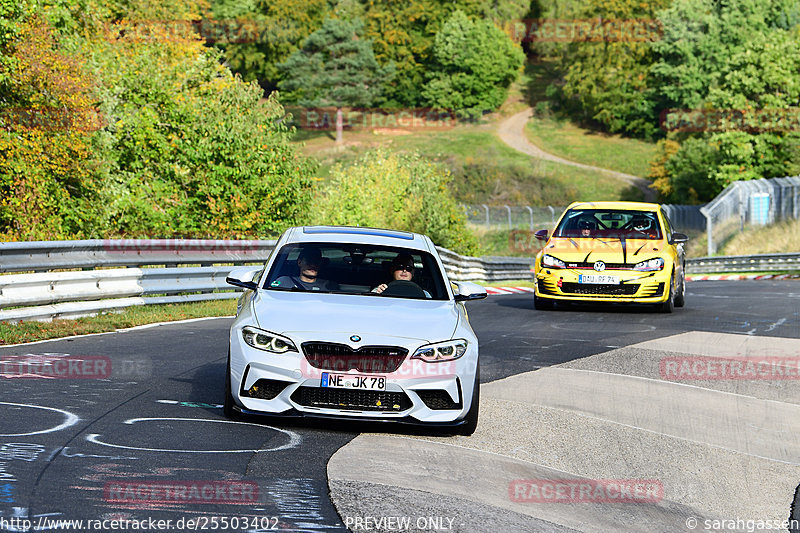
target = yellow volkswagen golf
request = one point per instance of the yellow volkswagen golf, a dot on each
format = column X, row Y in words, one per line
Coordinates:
column 624, row 252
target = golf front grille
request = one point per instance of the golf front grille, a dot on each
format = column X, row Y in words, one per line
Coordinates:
column 360, row 400
column 341, row 358
column 626, row 289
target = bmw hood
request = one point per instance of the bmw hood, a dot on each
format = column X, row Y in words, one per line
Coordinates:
column 288, row 312
column 610, row 250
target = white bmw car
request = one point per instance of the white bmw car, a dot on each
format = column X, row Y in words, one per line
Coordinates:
column 356, row 323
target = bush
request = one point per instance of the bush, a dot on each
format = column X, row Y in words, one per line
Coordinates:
column 48, row 188
column 191, row 149
column 473, row 65
column 402, row 192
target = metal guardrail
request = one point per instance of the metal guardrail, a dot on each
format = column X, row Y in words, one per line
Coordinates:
column 48, row 293
column 43, row 256
column 463, row 268
column 744, row 263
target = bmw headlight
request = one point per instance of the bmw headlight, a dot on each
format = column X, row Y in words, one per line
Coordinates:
column 441, row 351
column 650, row 265
column 264, row 340
column 551, row 262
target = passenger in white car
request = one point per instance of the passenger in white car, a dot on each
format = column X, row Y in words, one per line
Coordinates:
column 310, row 262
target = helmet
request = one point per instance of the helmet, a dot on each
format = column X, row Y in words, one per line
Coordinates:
column 642, row 223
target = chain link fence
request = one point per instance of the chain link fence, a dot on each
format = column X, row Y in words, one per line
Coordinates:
column 750, row 203
column 512, row 216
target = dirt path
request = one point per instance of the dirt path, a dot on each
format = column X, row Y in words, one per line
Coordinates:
column 512, row 132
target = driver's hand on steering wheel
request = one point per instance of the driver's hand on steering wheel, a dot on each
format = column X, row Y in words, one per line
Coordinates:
column 380, row 288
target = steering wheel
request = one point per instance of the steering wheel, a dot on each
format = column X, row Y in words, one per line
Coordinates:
column 403, row 288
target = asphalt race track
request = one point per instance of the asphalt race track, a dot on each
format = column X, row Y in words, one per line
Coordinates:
column 143, row 410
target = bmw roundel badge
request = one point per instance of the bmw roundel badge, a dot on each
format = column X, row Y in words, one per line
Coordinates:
column 355, row 338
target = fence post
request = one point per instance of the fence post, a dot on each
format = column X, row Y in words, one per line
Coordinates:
column 710, row 236
column 509, row 216
column 531, row 213
column 486, row 207
column 552, row 214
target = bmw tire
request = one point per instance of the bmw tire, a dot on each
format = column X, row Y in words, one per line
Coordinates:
column 468, row 428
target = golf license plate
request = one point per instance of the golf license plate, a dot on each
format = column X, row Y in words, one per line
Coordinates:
column 351, row 381
column 598, row 279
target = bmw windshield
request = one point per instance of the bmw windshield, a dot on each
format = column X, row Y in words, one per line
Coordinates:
column 361, row 269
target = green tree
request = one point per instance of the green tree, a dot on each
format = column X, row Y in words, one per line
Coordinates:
column 48, row 186
column 13, row 14
column 265, row 33
column 403, row 192
column 739, row 59
column 606, row 79
column 403, row 33
column 334, row 68
column 472, row 66
column 190, row 148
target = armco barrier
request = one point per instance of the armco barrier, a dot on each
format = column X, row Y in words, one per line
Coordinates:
column 44, row 256
column 48, row 293
column 744, row 263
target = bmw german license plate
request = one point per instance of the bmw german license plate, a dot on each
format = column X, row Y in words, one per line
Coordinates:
column 597, row 279
column 350, row 381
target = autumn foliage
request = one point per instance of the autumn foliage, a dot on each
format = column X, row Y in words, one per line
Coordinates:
column 110, row 131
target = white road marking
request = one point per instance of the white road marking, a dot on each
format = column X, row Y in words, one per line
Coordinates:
column 776, row 324
column 294, row 438
column 70, row 420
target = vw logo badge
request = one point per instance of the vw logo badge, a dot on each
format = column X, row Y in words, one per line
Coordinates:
column 599, row 266
column 355, row 338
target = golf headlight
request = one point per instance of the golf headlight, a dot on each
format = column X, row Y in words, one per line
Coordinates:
column 264, row 340
column 650, row 265
column 551, row 262
column 441, row 351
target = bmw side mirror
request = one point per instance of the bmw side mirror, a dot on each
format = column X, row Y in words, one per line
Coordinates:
column 469, row 291
column 541, row 234
column 243, row 277
column 678, row 238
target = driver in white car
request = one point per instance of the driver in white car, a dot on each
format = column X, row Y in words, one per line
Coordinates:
column 402, row 270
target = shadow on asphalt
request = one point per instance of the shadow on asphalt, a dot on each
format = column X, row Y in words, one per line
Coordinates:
column 348, row 427
column 518, row 303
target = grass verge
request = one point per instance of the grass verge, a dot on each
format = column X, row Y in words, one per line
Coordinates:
column 133, row 316
column 565, row 139
column 485, row 170
column 783, row 237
